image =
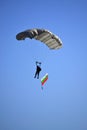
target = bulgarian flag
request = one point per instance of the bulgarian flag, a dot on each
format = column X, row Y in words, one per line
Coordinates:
column 44, row 79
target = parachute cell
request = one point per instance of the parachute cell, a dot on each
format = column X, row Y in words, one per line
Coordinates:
column 45, row 36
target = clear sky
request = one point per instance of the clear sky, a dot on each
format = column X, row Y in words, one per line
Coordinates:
column 62, row 105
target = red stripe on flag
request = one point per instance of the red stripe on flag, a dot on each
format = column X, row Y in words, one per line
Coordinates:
column 44, row 80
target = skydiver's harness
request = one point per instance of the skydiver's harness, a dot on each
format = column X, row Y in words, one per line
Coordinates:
column 38, row 67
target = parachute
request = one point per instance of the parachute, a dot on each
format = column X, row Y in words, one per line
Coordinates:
column 45, row 36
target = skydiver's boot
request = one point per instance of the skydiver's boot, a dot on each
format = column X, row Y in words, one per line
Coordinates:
column 35, row 76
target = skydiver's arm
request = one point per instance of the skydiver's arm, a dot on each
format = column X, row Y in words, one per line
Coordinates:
column 38, row 63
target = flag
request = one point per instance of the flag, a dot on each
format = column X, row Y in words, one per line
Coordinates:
column 44, row 79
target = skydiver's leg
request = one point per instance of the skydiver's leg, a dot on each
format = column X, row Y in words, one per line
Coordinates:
column 35, row 74
column 38, row 74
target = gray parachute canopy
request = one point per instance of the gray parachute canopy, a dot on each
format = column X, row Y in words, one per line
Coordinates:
column 45, row 36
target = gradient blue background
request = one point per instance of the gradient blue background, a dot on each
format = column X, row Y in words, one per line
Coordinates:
column 62, row 105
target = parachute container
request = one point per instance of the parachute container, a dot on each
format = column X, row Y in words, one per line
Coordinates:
column 44, row 79
column 43, row 35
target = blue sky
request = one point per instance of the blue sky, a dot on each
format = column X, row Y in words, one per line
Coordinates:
column 62, row 105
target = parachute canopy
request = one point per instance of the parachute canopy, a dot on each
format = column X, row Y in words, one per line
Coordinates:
column 45, row 36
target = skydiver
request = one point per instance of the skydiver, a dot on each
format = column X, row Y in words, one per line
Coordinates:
column 38, row 69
